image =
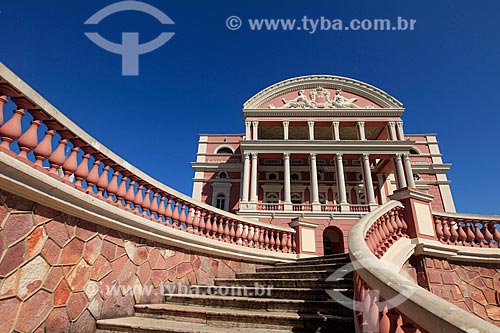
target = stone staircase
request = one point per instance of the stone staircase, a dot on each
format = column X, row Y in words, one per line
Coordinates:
column 289, row 297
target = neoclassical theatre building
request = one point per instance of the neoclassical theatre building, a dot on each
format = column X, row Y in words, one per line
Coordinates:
column 323, row 150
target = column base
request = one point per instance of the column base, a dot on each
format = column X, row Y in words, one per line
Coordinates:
column 287, row 207
column 316, row 207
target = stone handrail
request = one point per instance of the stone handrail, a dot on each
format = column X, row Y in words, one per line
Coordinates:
column 419, row 309
column 467, row 229
column 95, row 170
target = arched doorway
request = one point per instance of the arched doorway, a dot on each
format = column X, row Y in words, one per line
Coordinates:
column 333, row 241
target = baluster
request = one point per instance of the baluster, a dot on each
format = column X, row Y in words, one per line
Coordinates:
column 453, row 230
column 438, row 226
column 462, row 236
column 71, row 164
column 216, row 221
column 146, row 203
column 58, row 157
column 294, row 243
column 487, row 233
column 496, row 233
column 168, row 212
column 272, row 241
column 387, row 235
column 469, row 233
column 251, row 232
column 384, row 321
column 196, row 221
column 261, row 238
column 289, row 242
column 138, row 199
column 267, row 241
column 190, row 218
column 232, row 231
column 255, row 237
column 122, row 191
column 397, row 221
column 102, row 183
column 4, row 99
column 182, row 215
column 112, row 187
column 239, row 233
column 446, row 230
column 175, row 215
column 388, row 225
column 395, row 227
column 154, row 207
column 130, row 196
column 208, row 225
column 44, row 148
column 478, row 235
column 393, row 319
column 28, row 141
column 400, row 215
column 244, row 236
column 203, row 224
column 11, row 130
column 278, row 241
column 93, row 176
column 161, row 209
column 227, row 236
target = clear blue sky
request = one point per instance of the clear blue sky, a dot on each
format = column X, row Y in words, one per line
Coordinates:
column 446, row 73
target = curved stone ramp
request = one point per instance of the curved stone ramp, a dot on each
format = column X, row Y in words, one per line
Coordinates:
column 286, row 298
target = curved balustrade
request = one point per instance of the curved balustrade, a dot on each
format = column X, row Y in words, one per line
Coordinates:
column 359, row 208
column 377, row 280
column 51, row 143
column 467, row 230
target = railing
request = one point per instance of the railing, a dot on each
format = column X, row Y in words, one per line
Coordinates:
column 359, row 208
column 467, row 230
column 330, row 208
column 408, row 307
column 270, row 206
column 95, row 170
column 302, row 207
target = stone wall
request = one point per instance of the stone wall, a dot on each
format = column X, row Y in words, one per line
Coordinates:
column 474, row 287
column 59, row 273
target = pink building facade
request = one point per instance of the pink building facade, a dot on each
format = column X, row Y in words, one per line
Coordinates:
column 322, row 149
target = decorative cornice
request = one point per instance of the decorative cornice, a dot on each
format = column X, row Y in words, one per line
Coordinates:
column 323, row 113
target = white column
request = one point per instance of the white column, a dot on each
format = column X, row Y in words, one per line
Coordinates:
column 246, row 177
column 409, row 171
column 341, row 180
column 392, row 131
column 248, row 132
column 400, row 173
column 311, row 129
column 254, row 180
column 286, row 125
column 286, row 162
column 399, row 128
column 361, row 131
column 314, row 179
column 370, row 194
column 255, row 127
column 336, row 130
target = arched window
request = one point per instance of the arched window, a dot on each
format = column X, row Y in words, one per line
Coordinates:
column 225, row 150
column 296, row 198
column 221, row 201
column 272, row 198
column 413, row 151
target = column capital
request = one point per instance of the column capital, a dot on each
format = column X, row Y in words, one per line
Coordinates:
column 391, row 123
column 335, row 123
column 255, row 122
column 312, row 156
column 339, row 156
column 310, row 123
column 248, row 123
column 254, row 156
column 246, row 155
column 365, row 156
column 286, row 156
column 286, row 123
column 398, row 156
column 361, row 123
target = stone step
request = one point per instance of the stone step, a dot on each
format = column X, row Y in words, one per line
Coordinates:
column 153, row 325
column 277, row 293
column 301, row 267
column 230, row 317
column 319, row 274
column 263, row 304
column 331, row 259
column 270, row 283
